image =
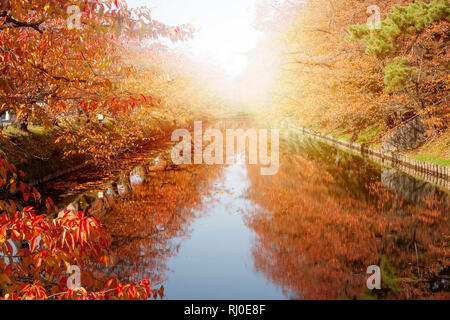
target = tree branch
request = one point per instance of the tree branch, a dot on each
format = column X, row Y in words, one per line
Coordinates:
column 21, row 24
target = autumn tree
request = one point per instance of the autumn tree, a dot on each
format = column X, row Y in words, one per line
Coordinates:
column 69, row 67
column 64, row 65
column 37, row 251
column 327, row 80
column 412, row 44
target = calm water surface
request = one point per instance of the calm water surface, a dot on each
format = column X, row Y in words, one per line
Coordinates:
column 311, row 231
column 215, row 261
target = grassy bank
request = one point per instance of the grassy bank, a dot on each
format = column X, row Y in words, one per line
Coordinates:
column 36, row 153
column 41, row 152
column 436, row 150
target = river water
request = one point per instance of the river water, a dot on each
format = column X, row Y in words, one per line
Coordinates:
column 308, row 232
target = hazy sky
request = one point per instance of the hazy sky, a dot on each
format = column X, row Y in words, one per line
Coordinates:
column 225, row 27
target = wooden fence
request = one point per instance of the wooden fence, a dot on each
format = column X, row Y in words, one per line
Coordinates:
column 426, row 171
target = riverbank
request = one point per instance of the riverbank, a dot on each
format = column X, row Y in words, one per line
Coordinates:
column 37, row 155
column 42, row 157
column 435, row 150
column 426, row 170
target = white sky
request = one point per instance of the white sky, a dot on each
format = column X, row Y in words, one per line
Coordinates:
column 225, row 27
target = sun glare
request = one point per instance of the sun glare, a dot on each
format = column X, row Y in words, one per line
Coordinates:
column 225, row 32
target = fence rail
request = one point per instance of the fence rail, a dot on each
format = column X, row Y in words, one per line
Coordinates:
column 426, row 171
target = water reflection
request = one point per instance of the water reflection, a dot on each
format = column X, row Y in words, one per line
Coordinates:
column 309, row 232
column 215, row 262
column 156, row 207
column 331, row 219
column 414, row 190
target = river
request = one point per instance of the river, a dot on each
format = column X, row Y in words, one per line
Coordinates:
column 308, row 232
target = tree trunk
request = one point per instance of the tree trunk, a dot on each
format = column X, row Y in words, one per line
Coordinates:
column 24, row 124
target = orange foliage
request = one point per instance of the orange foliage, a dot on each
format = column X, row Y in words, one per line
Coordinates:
column 318, row 232
column 326, row 81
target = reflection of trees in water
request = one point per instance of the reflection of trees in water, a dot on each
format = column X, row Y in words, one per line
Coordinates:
column 354, row 175
column 351, row 174
column 322, row 235
column 415, row 191
column 144, row 210
column 144, row 223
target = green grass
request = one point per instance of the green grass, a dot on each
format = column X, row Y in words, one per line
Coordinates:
column 436, row 150
column 340, row 134
column 389, row 280
column 371, row 135
column 346, row 137
column 432, row 158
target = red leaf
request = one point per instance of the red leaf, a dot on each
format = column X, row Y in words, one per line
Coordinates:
column 15, row 235
column 108, row 284
column 33, row 244
column 22, row 186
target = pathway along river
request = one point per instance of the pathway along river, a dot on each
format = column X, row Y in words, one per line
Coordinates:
column 308, row 232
